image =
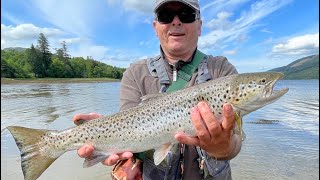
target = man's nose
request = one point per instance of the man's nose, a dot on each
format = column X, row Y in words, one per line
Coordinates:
column 176, row 21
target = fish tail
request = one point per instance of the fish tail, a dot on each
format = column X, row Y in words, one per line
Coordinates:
column 33, row 162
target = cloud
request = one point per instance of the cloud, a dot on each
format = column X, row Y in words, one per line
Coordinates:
column 223, row 31
column 300, row 45
column 259, row 63
column 76, row 40
column 266, row 31
column 73, row 16
column 24, row 34
column 95, row 51
column 27, row 31
column 230, row 52
column 213, row 7
column 221, row 22
column 145, row 7
column 83, row 18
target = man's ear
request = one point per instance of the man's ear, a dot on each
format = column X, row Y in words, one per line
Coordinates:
column 200, row 27
column 154, row 24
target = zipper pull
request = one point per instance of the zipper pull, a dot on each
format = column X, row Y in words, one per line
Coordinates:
column 174, row 78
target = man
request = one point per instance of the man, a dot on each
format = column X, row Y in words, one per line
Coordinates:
column 178, row 26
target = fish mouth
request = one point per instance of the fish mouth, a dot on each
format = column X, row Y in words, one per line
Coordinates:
column 270, row 94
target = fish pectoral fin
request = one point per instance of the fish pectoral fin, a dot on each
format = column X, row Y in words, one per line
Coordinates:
column 95, row 158
column 161, row 153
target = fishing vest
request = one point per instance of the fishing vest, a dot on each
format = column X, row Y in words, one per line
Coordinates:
column 170, row 168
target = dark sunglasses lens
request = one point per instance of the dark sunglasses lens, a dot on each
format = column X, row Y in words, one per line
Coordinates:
column 187, row 17
column 166, row 17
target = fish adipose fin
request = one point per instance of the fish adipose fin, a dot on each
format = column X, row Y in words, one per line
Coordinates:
column 33, row 163
column 161, row 153
column 95, row 158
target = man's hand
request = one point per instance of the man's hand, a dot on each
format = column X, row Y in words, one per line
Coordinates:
column 87, row 150
column 214, row 135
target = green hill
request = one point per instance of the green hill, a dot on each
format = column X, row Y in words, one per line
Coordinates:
column 19, row 49
column 304, row 68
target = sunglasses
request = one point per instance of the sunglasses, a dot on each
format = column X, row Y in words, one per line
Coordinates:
column 186, row 15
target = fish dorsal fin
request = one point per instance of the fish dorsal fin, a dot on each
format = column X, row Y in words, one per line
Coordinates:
column 161, row 153
column 149, row 97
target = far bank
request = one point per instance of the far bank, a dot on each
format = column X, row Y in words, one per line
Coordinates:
column 56, row 80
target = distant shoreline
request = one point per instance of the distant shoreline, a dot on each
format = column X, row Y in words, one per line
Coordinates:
column 56, row 80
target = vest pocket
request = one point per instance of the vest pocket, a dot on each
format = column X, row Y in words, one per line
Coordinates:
column 151, row 171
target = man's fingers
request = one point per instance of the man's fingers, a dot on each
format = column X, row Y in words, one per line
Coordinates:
column 209, row 119
column 228, row 122
column 114, row 158
column 111, row 160
column 199, row 124
column 85, row 151
column 125, row 155
column 79, row 118
column 185, row 139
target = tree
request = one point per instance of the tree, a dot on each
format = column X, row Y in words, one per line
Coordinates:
column 6, row 70
column 45, row 55
column 62, row 54
column 65, row 50
column 56, row 68
column 33, row 57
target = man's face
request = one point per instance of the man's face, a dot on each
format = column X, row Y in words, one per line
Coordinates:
column 176, row 37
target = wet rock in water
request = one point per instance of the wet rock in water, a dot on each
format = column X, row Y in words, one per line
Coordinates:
column 264, row 121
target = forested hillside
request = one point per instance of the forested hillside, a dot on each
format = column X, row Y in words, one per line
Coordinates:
column 38, row 61
column 304, row 68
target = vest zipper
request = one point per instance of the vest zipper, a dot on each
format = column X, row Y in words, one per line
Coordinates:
column 174, row 74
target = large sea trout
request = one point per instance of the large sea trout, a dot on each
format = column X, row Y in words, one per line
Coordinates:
column 151, row 125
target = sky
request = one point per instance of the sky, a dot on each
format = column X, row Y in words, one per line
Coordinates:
column 255, row 36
